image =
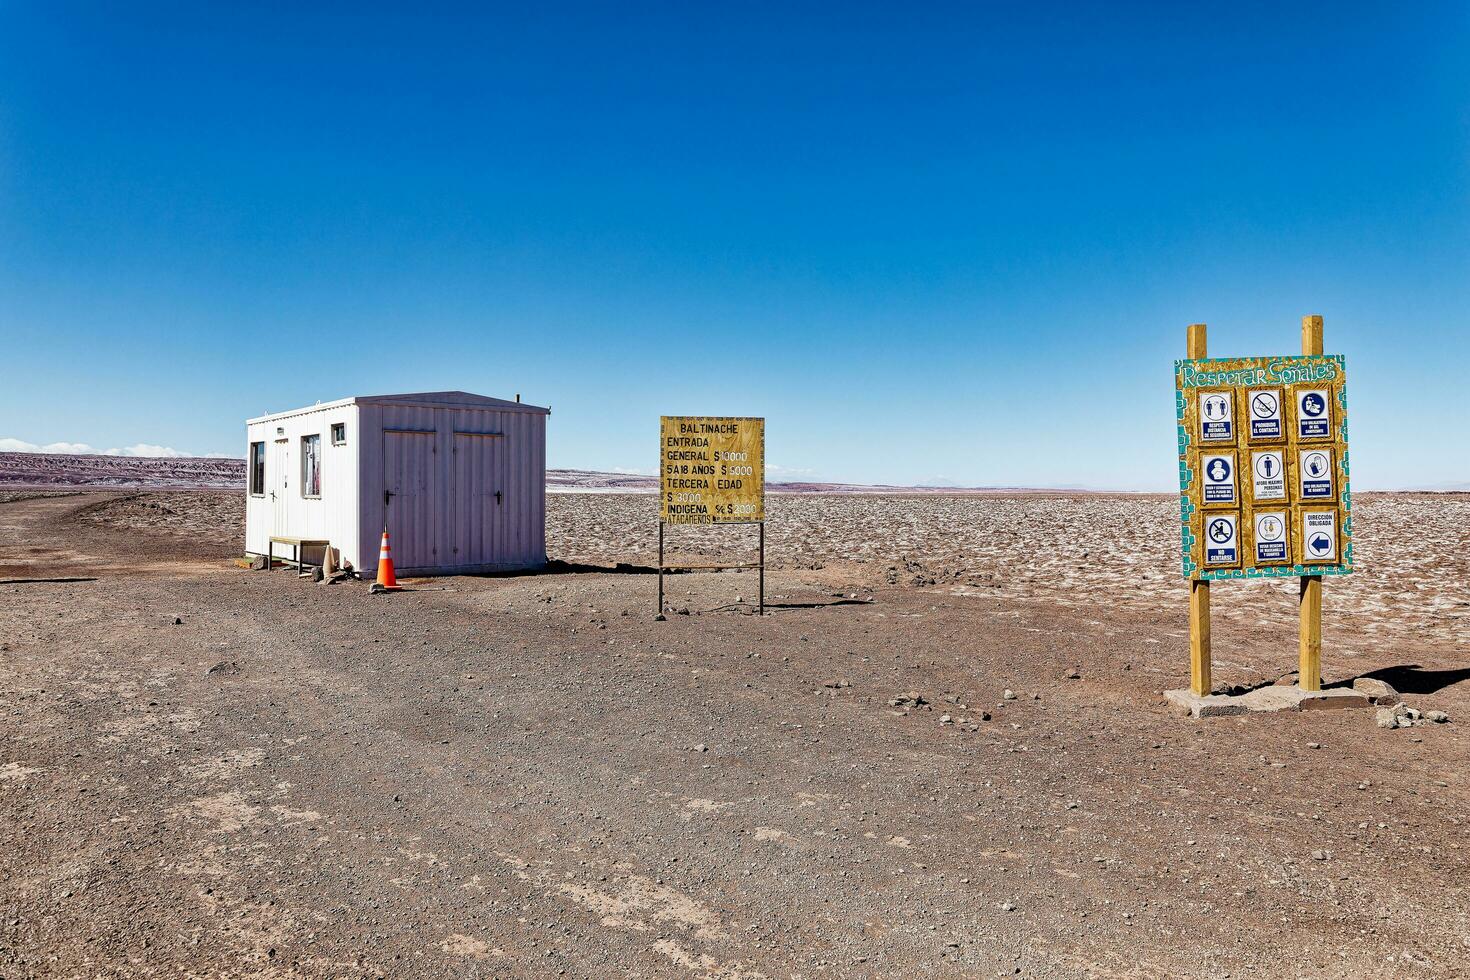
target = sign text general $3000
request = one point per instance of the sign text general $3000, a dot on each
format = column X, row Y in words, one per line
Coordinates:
column 712, row 470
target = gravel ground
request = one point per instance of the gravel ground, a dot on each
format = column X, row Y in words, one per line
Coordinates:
column 212, row 772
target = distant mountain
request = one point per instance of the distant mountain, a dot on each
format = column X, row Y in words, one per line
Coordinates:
column 201, row 473
column 67, row 470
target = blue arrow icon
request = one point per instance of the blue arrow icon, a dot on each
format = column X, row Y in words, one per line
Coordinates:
column 1320, row 544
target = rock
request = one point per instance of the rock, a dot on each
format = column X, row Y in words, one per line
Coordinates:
column 1333, row 697
column 317, row 574
column 701, row 747
column 178, row 621
column 1008, row 906
column 257, row 564
column 1377, row 691
column 659, row 618
column 945, row 720
column 1073, row 675
column 911, row 699
column 1008, row 694
column 1314, row 745
column 225, row 668
column 1320, row 855
column 1385, row 718
column 984, row 716
column 840, row 682
column 1438, row 717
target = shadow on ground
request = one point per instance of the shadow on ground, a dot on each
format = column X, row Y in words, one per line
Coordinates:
column 1414, row 679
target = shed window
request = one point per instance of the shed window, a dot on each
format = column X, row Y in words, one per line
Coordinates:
column 311, row 466
column 339, row 433
column 257, row 468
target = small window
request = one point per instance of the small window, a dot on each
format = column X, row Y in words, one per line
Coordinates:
column 257, row 468
column 311, row 466
column 339, row 433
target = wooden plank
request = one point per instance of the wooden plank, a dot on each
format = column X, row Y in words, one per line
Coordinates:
column 1199, row 591
column 1199, row 637
column 1309, row 599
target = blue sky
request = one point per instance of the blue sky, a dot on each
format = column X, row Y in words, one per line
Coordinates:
column 928, row 243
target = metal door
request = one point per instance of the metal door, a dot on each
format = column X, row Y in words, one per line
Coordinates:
column 477, row 499
column 278, row 478
column 411, row 497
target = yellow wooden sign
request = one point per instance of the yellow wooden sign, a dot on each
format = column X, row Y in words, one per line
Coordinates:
column 1263, row 466
column 712, row 470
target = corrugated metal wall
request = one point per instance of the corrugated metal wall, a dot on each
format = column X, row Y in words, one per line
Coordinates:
column 281, row 509
column 444, row 467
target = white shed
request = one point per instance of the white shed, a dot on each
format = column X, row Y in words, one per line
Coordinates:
column 458, row 479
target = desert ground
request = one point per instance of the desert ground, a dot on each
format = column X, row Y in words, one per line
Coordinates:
column 207, row 771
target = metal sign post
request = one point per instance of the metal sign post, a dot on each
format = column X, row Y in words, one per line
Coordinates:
column 712, row 470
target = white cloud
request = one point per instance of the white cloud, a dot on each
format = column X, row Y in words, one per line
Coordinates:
column 144, row 449
column 8, row 445
column 67, row 448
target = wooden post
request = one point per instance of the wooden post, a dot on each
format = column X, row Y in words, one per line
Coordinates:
column 1309, row 600
column 1199, row 590
column 660, row 567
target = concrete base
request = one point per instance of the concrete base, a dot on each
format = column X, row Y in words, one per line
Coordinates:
column 1266, row 700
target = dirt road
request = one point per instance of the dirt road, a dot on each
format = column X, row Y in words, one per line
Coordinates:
column 212, row 772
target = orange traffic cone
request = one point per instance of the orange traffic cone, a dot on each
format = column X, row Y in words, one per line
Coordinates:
column 387, row 581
